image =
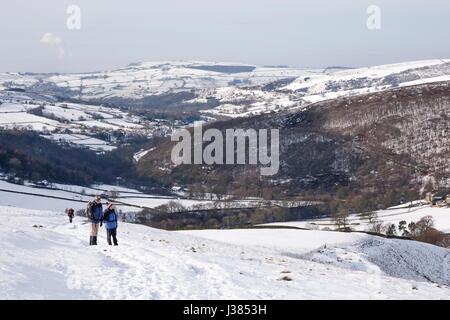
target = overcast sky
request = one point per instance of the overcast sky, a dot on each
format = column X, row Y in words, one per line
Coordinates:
column 307, row 33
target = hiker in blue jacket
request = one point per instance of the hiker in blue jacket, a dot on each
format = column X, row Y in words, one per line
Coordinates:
column 110, row 219
column 94, row 212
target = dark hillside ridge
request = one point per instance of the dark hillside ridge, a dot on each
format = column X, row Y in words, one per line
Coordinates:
column 30, row 156
column 380, row 144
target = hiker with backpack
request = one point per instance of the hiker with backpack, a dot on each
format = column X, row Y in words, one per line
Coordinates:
column 110, row 219
column 94, row 212
column 70, row 213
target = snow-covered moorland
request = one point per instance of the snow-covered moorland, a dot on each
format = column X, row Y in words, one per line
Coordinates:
column 43, row 256
column 240, row 89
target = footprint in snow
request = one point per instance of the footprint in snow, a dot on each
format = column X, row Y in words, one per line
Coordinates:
column 285, row 278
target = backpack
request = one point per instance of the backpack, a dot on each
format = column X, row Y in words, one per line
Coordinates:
column 89, row 212
column 111, row 219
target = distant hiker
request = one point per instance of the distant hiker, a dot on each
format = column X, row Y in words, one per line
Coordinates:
column 94, row 212
column 110, row 219
column 70, row 214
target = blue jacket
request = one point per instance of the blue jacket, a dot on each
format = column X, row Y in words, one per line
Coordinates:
column 96, row 212
column 110, row 219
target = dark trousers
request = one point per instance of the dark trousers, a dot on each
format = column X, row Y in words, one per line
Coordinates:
column 70, row 219
column 111, row 233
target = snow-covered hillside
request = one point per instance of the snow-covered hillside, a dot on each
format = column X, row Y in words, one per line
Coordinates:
column 59, row 197
column 318, row 85
column 240, row 89
column 330, row 85
column 43, row 256
column 152, row 78
column 79, row 125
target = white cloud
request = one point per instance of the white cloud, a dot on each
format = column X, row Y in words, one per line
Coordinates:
column 51, row 39
column 54, row 41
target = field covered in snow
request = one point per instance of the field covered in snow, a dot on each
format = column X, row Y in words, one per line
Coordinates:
column 75, row 124
column 147, row 78
column 80, row 125
column 43, row 256
column 58, row 197
column 441, row 217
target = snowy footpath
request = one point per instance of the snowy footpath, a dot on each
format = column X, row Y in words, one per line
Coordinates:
column 45, row 257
